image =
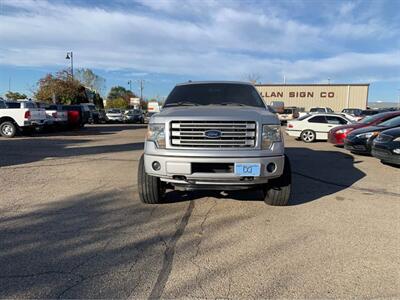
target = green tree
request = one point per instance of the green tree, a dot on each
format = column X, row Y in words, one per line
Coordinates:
column 117, row 103
column 120, row 92
column 61, row 88
column 90, row 80
column 15, row 96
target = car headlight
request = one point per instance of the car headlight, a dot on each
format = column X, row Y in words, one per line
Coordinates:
column 346, row 130
column 396, row 139
column 156, row 133
column 270, row 135
column 367, row 135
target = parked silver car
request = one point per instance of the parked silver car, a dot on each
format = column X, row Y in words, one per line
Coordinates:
column 114, row 115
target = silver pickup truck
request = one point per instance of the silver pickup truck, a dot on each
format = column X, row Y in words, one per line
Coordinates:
column 214, row 135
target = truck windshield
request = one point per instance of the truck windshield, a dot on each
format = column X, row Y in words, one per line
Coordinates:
column 214, row 94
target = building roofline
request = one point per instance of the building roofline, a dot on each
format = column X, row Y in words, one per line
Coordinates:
column 312, row 84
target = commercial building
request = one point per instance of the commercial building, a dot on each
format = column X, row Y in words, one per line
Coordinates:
column 335, row 96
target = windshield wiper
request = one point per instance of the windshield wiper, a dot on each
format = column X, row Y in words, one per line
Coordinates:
column 182, row 103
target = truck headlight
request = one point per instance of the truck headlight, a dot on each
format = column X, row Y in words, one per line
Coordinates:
column 270, row 135
column 156, row 133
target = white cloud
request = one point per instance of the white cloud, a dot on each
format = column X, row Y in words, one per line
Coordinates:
column 209, row 39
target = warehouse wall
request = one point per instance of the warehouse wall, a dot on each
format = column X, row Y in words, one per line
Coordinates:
column 334, row 96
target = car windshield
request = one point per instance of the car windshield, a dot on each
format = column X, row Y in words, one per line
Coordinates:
column 317, row 110
column 132, row 112
column 215, row 94
column 394, row 122
column 303, row 117
column 373, row 118
column 288, row 111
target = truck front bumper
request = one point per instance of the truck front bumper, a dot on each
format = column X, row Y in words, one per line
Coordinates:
column 179, row 171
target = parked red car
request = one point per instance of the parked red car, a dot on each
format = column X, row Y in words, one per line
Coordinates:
column 337, row 135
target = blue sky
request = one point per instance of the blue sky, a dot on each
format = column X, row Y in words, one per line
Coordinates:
column 165, row 42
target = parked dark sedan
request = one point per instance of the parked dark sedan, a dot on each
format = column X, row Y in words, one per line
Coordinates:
column 337, row 134
column 360, row 140
column 386, row 146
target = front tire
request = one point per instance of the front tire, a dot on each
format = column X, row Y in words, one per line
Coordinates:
column 308, row 136
column 277, row 191
column 151, row 189
column 8, row 129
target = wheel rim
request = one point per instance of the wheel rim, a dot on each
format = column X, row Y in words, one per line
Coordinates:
column 7, row 130
column 308, row 136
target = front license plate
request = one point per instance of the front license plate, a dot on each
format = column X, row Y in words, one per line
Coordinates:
column 247, row 169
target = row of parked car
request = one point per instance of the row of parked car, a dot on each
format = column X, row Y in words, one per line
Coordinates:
column 377, row 134
column 26, row 116
column 355, row 114
column 128, row 116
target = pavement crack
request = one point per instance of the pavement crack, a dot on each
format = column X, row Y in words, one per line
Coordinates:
column 200, row 239
column 169, row 253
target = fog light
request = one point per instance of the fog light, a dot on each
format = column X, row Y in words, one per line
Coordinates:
column 271, row 167
column 397, row 151
column 156, row 166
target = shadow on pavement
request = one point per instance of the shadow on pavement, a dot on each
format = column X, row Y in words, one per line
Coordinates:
column 60, row 145
column 315, row 174
column 24, row 151
column 95, row 245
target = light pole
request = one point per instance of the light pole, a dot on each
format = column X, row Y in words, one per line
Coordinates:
column 130, row 85
column 398, row 99
column 70, row 55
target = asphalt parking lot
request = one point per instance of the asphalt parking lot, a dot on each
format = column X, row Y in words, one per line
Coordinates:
column 72, row 226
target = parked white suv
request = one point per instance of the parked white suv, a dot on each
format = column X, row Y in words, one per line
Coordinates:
column 315, row 127
column 18, row 115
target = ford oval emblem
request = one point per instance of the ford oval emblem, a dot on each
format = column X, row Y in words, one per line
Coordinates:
column 213, row 134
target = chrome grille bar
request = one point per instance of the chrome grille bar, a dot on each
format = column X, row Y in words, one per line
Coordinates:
column 233, row 134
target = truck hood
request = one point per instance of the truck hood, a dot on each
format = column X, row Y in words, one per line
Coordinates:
column 215, row 112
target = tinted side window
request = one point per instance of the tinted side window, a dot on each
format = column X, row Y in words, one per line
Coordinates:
column 30, row 105
column 335, row 120
column 317, row 119
column 13, row 105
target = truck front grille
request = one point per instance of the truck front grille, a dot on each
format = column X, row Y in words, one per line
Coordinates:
column 229, row 134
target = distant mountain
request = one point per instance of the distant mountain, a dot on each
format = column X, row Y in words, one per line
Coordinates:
column 382, row 104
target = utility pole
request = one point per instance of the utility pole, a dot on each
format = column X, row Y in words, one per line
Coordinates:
column 70, row 55
column 141, row 85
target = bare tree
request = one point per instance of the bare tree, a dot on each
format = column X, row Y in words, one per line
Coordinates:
column 90, row 80
column 253, row 77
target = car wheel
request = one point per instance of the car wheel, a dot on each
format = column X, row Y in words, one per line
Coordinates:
column 8, row 129
column 277, row 191
column 308, row 136
column 151, row 189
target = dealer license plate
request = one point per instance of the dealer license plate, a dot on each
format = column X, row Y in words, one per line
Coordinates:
column 247, row 169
